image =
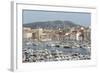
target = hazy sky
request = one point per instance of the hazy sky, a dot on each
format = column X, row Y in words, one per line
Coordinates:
column 30, row 16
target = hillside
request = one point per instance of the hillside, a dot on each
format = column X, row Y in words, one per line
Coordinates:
column 51, row 24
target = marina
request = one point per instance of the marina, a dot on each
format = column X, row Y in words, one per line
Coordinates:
column 53, row 51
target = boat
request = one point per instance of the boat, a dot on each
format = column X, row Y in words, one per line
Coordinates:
column 35, row 43
column 81, row 46
column 66, row 47
column 57, row 45
column 51, row 45
column 28, row 43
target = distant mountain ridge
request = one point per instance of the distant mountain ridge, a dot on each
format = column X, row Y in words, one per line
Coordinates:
column 51, row 24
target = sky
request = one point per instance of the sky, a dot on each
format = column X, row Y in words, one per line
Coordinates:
column 30, row 16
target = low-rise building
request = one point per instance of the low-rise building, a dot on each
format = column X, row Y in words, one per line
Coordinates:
column 27, row 33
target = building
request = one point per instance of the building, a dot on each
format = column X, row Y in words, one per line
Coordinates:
column 37, row 34
column 27, row 33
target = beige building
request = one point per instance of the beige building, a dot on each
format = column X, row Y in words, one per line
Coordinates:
column 40, row 34
column 37, row 34
column 27, row 33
